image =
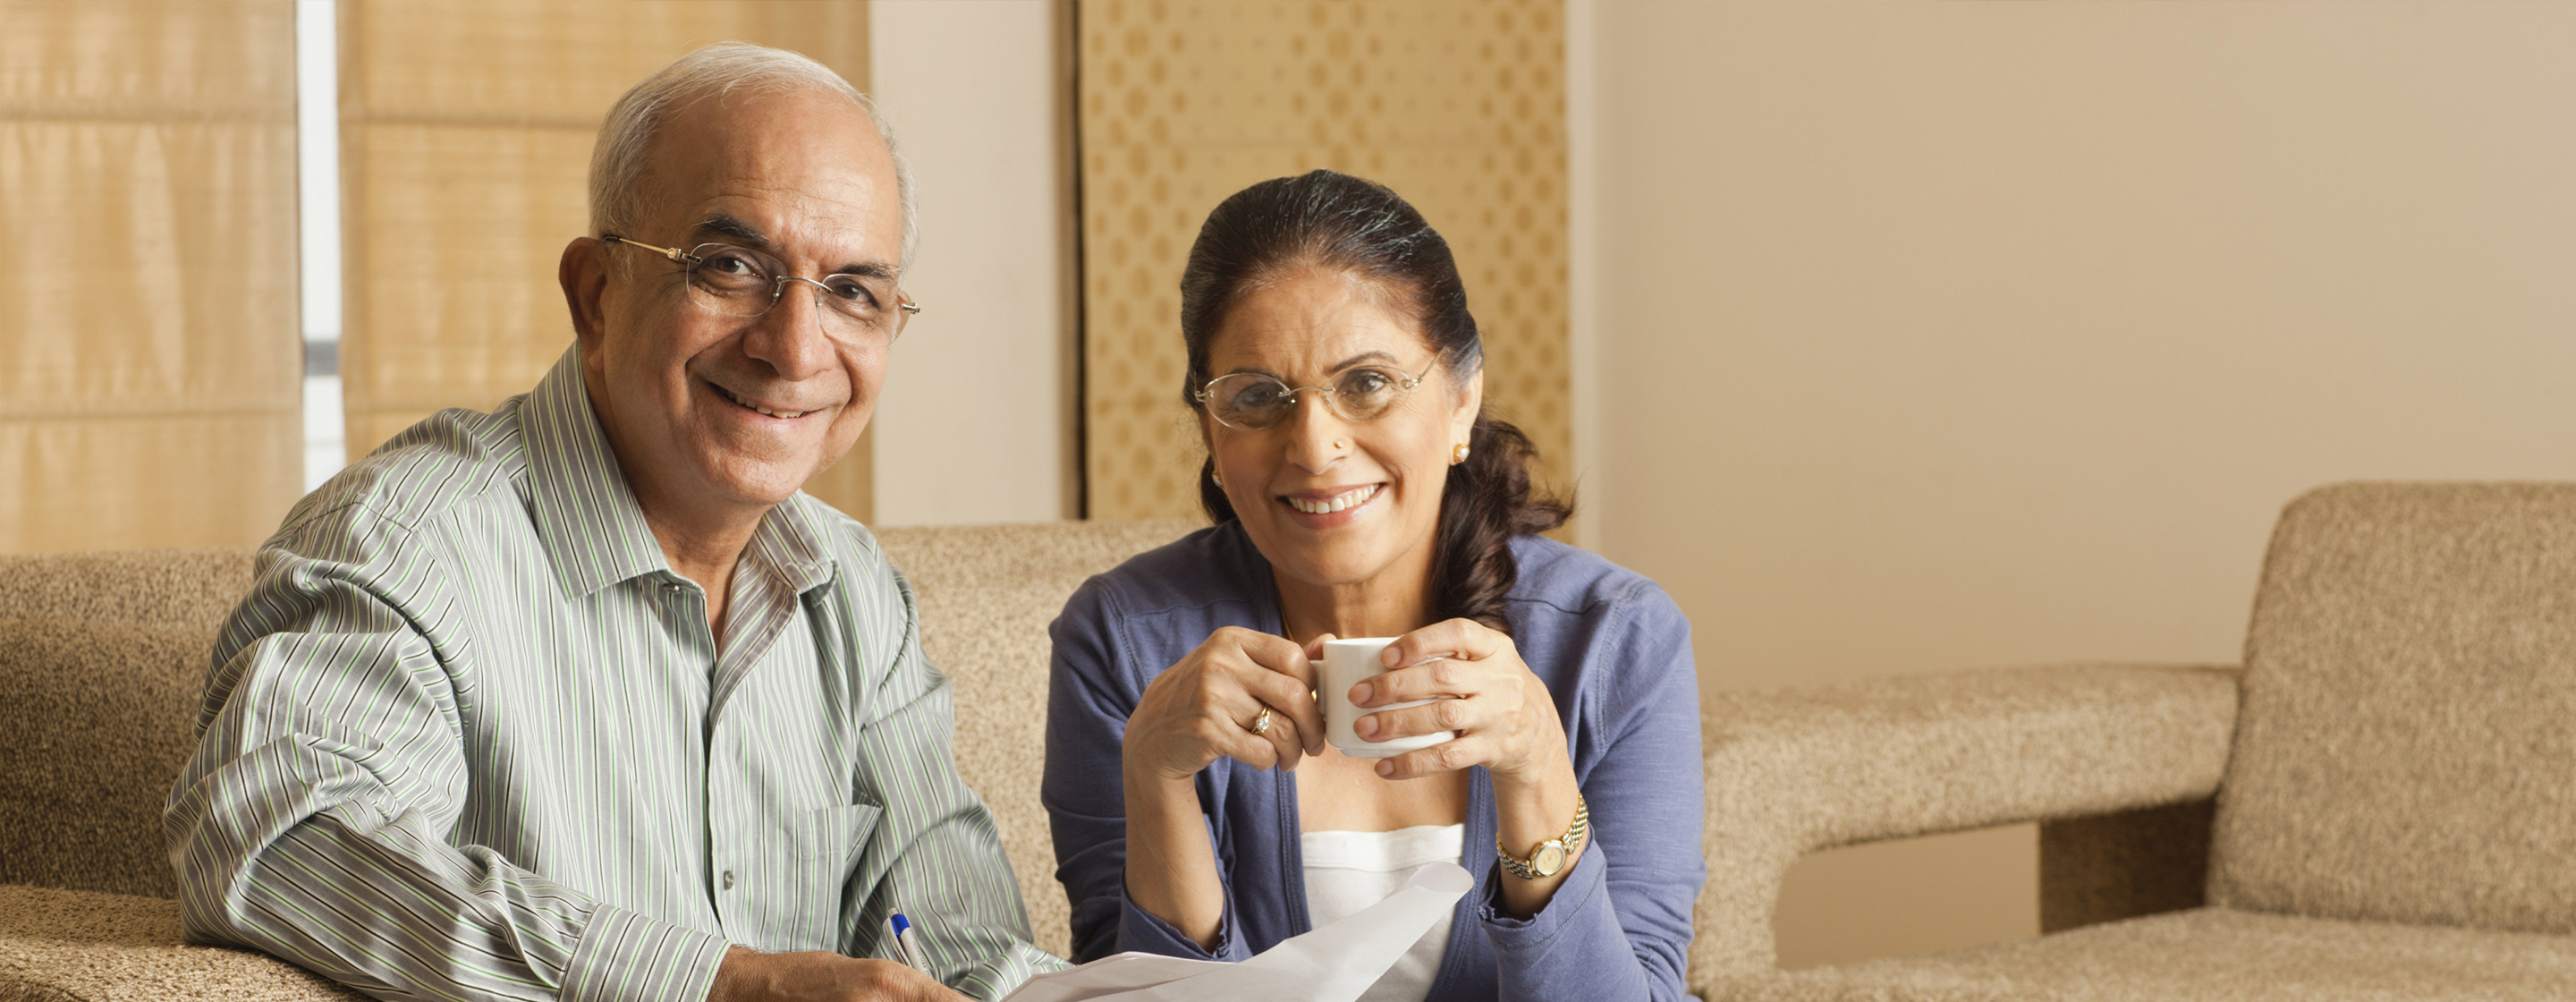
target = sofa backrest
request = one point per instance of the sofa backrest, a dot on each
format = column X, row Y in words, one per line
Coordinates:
column 103, row 658
column 987, row 594
column 2406, row 751
column 102, row 663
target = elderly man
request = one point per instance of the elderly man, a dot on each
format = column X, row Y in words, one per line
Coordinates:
column 582, row 698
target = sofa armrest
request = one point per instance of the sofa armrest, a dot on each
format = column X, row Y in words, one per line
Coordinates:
column 58, row 944
column 1792, row 771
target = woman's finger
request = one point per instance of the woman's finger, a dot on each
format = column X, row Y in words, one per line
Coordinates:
column 1452, row 638
column 1445, row 757
column 1286, row 745
column 1430, row 718
column 1278, row 654
column 1446, row 678
column 1232, row 737
column 1290, row 694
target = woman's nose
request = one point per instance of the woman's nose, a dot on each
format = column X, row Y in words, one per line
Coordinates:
column 1316, row 436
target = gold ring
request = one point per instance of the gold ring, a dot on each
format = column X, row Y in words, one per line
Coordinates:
column 1261, row 724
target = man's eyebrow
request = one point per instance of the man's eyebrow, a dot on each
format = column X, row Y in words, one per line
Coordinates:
column 723, row 225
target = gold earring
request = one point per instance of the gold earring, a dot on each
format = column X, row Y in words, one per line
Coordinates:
column 1458, row 455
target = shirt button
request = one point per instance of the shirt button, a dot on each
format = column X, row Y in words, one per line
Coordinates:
column 728, row 880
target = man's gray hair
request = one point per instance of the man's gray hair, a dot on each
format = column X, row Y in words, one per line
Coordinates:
column 626, row 138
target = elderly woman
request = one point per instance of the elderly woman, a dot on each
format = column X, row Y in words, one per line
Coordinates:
column 1360, row 490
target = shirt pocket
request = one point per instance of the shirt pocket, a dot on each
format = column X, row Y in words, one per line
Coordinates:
column 832, row 838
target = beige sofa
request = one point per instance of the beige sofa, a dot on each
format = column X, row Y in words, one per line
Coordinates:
column 2394, row 774
column 101, row 657
column 102, row 663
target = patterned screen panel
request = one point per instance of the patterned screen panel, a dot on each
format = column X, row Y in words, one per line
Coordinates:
column 1459, row 105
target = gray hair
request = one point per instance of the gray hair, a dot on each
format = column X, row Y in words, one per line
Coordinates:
column 617, row 160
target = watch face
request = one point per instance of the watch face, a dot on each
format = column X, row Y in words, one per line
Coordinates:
column 1549, row 858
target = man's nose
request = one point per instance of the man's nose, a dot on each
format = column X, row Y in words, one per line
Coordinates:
column 790, row 337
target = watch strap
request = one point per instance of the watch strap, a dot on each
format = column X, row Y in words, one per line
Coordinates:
column 1572, row 841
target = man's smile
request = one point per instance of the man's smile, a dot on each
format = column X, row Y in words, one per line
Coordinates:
column 747, row 404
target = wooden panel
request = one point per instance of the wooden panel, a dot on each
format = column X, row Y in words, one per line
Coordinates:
column 1459, row 105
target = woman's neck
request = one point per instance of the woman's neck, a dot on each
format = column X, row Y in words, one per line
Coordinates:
column 1395, row 602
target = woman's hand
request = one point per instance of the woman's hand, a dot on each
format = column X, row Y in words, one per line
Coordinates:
column 1205, row 707
column 1505, row 719
column 1195, row 712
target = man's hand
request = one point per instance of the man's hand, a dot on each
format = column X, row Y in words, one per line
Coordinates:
column 752, row 976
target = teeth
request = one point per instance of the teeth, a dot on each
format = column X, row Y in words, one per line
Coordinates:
column 1348, row 499
column 728, row 394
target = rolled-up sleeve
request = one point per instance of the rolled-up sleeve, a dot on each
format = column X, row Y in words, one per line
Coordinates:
column 312, row 821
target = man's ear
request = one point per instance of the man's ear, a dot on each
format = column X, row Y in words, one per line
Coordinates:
column 584, row 274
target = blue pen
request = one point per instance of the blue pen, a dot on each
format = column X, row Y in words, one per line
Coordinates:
column 907, row 947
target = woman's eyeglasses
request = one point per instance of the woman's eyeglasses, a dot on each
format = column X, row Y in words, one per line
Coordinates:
column 1251, row 401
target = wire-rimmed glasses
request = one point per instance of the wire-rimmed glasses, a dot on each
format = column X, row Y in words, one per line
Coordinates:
column 741, row 282
column 1251, row 401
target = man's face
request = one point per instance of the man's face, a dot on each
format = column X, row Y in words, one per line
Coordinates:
column 709, row 413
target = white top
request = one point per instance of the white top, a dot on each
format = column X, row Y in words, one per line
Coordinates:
column 1349, row 871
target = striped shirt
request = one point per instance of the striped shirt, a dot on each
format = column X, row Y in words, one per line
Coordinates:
column 470, row 737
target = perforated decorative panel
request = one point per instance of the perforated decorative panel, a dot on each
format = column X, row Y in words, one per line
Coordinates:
column 1456, row 104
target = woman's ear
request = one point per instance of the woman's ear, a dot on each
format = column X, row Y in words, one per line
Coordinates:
column 1471, row 401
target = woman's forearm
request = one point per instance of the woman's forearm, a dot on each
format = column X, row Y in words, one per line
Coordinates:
column 1171, row 869
column 1530, row 810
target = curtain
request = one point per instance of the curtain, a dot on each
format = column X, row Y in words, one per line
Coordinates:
column 1459, row 105
column 150, row 355
column 465, row 131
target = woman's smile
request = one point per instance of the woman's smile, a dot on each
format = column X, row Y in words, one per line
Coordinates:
column 1332, row 505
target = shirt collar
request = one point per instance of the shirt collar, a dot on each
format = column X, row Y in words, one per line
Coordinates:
column 593, row 531
column 587, row 518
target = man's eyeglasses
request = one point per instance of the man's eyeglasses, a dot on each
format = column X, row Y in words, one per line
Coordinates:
column 1252, row 402
column 741, row 282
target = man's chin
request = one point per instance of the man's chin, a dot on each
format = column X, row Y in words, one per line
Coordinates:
column 763, row 482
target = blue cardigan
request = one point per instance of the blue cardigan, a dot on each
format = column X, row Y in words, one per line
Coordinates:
column 1615, row 654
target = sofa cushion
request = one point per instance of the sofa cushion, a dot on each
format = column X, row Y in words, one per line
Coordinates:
column 2405, row 752
column 987, row 594
column 72, row 945
column 2209, row 955
column 100, row 717
column 164, row 587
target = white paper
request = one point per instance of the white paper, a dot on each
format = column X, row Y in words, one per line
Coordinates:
column 1332, row 964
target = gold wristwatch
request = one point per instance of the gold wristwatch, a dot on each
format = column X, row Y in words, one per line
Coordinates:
column 1546, row 858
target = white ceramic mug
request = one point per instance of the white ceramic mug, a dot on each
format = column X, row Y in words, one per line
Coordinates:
column 1347, row 663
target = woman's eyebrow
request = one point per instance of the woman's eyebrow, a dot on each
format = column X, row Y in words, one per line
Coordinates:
column 1364, row 358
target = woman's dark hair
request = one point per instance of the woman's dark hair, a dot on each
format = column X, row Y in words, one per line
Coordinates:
column 1327, row 221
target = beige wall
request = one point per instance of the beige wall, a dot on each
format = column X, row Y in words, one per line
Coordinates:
column 976, row 421
column 1939, row 336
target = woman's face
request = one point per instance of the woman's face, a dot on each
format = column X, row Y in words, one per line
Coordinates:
column 1331, row 501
